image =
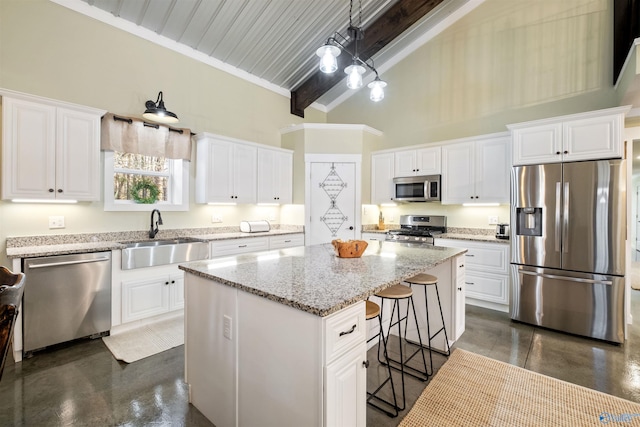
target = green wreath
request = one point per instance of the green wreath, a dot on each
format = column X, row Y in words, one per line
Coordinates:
column 144, row 191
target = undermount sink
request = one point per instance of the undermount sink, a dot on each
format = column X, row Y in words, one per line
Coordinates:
column 151, row 253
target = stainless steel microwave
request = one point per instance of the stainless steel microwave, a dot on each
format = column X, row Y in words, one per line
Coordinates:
column 425, row 188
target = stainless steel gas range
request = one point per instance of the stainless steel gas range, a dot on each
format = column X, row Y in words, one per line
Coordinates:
column 418, row 229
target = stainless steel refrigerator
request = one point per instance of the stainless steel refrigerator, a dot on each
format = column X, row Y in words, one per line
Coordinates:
column 568, row 231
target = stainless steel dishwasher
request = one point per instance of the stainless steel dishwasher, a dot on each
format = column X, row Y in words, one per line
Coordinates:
column 68, row 297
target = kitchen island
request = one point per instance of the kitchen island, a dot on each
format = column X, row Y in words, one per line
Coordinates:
column 279, row 337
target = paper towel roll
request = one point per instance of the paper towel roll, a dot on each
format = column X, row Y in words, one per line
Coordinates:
column 254, row 226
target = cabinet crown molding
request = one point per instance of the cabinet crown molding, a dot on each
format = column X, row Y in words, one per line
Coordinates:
column 558, row 119
column 49, row 101
column 206, row 135
column 504, row 134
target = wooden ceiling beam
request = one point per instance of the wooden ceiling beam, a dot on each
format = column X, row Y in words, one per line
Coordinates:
column 397, row 19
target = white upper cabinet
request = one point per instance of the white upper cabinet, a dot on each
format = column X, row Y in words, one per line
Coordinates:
column 382, row 166
column 50, row 151
column 226, row 171
column 476, row 171
column 421, row 161
column 275, row 176
column 586, row 136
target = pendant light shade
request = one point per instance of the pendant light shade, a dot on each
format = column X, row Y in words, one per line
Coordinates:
column 157, row 112
column 335, row 44
column 354, row 75
column 377, row 90
column 328, row 54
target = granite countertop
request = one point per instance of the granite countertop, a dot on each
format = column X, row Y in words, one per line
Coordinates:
column 314, row 279
column 38, row 246
column 473, row 237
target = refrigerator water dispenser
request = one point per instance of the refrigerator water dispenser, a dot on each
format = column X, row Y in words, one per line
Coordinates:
column 529, row 221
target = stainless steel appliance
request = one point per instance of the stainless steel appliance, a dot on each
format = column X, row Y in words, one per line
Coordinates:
column 418, row 229
column 568, row 247
column 502, row 231
column 67, row 297
column 425, row 188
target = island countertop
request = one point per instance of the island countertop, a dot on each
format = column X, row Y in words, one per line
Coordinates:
column 314, row 279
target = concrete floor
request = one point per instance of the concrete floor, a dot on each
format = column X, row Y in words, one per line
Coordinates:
column 83, row 385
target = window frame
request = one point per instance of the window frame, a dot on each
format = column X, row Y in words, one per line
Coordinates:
column 178, row 185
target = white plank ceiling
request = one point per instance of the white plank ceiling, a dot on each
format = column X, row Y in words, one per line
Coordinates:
column 272, row 40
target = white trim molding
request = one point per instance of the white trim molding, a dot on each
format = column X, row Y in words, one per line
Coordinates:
column 330, row 126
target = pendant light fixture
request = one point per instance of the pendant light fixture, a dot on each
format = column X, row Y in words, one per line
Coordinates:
column 157, row 112
column 329, row 52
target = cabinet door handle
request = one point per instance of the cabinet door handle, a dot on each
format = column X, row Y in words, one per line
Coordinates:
column 173, row 281
column 365, row 363
column 287, row 241
column 242, row 246
column 469, row 255
column 166, row 283
column 461, row 265
column 566, row 152
column 459, row 289
column 59, row 190
column 469, row 283
column 350, row 331
column 51, row 190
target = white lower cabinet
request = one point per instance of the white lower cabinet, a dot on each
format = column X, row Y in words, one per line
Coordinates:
column 345, row 387
column 238, row 246
column 153, row 296
column 486, row 280
column 374, row 236
column 254, row 244
column 276, row 365
column 286, row 241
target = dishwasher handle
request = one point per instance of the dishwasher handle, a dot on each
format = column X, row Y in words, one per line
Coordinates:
column 57, row 264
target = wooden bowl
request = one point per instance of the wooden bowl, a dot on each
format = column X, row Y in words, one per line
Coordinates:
column 350, row 248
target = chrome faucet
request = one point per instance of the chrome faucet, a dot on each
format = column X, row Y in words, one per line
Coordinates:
column 152, row 231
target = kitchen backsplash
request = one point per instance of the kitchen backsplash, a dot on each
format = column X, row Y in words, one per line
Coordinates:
column 123, row 236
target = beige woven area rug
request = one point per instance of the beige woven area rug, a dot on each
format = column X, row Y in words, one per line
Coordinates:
column 472, row 390
column 146, row 340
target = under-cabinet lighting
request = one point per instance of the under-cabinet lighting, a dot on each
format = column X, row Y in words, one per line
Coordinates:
column 268, row 204
column 222, row 204
column 481, row 204
column 43, row 201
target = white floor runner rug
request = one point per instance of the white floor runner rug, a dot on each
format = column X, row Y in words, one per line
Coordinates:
column 146, row 340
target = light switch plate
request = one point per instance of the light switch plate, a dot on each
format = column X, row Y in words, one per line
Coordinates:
column 215, row 218
column 56, row 222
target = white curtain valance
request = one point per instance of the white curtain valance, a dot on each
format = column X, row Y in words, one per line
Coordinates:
column 131, row 135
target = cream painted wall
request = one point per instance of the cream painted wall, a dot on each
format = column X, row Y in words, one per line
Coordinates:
column 507, row 61
column 50, row 51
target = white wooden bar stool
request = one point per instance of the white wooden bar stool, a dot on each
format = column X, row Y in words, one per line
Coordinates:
column 373, row 311
column 397, row 293
column 427, row 280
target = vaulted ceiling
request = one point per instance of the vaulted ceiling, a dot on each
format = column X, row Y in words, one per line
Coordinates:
column 273, row 42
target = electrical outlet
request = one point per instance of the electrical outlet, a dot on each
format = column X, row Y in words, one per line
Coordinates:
column 215, row 218
column 493, row 220
column 56, row 222
column 227, row 327
column 365, row 211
